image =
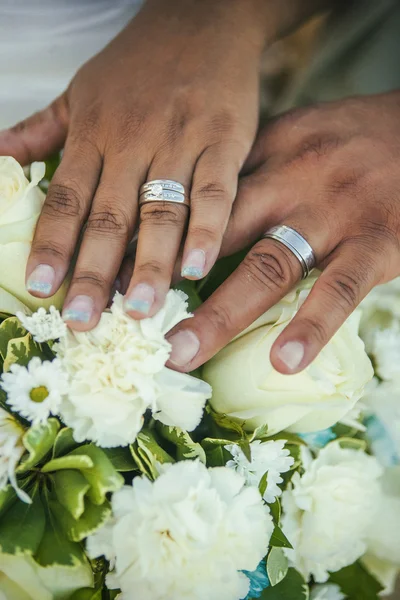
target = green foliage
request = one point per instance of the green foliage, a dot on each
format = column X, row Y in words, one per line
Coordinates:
column 38, row 441
column 182, row 445
column 279, row 539
column 69, row 485
column 292, row 587
column 18, row 346
column 357, row 583
column 215, row 451
column 277, row 566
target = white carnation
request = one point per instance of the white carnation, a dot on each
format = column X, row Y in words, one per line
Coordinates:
column 267, row 457
column 326, row 592
column 11, row 451
column 188, row 535
column 117, row 371
column 43, row 325
column 329, row 510
column 35, row 391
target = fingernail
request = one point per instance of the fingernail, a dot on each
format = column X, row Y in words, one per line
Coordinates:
column 79, row 310
column 185, row 346
column 41, row 280
column 291, row 354
column 194, row 264
column 140, row 299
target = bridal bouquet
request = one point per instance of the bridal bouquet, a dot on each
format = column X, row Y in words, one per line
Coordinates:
column 122, row 479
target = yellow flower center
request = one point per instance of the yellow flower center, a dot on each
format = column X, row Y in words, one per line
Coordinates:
column 39, row 394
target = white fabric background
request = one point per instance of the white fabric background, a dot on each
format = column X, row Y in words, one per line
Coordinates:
column 43, row 43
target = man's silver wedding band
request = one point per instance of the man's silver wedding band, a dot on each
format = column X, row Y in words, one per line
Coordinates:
column 295, row 242
column 163, row 190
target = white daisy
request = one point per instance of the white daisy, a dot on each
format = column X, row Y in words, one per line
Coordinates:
column 11, row 451
column 267, row 457
column 35, row 391
column 44, row 326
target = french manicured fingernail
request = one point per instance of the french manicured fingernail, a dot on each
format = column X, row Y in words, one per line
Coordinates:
column 79, row 310
column 41, row 280
column 291, row 354
column 194, row 264
column 185, row 346
column 140, row 299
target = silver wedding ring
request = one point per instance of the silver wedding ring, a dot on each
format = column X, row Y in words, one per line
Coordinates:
column 163, row 190
column 295, row 242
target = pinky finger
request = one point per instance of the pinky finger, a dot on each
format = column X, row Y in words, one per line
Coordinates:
column 347, row 279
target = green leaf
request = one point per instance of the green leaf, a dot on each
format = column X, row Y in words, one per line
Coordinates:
column 222, row 420
column 292, row 587
column 141, row 466
column 77, row 461
column 276, row 510
column 38, row 441
column 291, row 438
column 186, row 448
column 10, row 329
column 261, row 433
column 87, row 594
column 64, row 442
column 244, row 445
column 102, row 476
column 279, row 539
column 121, row 459
column 353, row 444
column 21, row 351
column 22, row 527
column 7, row 497
column 277, row 566
column 216, row 453
column 357, row 583
column 263, row 484
column 151, row 452
column 71, row 488
column 190, row 289
column 55, row 547
column 78, row 529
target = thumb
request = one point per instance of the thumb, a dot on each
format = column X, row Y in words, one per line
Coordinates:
column 38, row 136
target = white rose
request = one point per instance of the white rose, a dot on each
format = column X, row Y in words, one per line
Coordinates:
column 383, row 553
column 21, row 578
column 329, row 511
column 20, row 204
column 247, row 387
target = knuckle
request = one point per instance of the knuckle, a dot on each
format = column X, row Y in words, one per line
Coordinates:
column 316, row 330
column 153, row 267
column 344, row 290
column 269, row 268
column 346, row 182
column 162, row 213
column 314, row 148
column 221, row 319
column 109, row 221
column 212, row 191
column 51, row 248
column 63, row 200
column 90, row 278
column 205, row 232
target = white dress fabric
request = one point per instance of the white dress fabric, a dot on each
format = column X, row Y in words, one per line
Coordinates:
column 44, row 42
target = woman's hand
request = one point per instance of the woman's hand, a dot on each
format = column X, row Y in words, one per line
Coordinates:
column 332, row 172
column 174, row 96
